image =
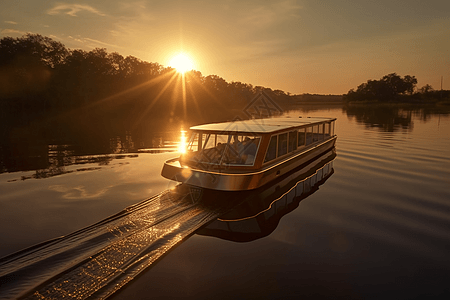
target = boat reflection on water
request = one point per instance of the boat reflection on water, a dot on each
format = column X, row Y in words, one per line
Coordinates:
column 258, row 212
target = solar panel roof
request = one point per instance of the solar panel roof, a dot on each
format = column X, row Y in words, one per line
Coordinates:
column 259, row 125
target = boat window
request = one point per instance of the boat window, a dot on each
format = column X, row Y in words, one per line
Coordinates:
column 205, row 141
column 241, row 150
column 250, row 149
column 282, row 144
column 193, row 142
column 301, row 137
column 320, row 133
column 327, row 130
column 332, row 128
column 309, row 136
column 223, row 148
column 315, row 133
column 292, row 145
column 208, row 141
column 272, row 150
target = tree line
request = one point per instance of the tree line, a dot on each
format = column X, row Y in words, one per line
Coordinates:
column 49, row 93
column 395, row 88
column 83, row 96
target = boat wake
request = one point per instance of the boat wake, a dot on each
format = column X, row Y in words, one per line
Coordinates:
column 96, row 261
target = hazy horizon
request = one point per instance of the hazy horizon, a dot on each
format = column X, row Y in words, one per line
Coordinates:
column 295, row 46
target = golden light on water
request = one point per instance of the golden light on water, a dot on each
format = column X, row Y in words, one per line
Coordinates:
column 182, row 144
column 182, row 63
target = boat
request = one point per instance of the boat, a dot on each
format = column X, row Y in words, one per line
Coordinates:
column 258, row 212
column 247, row 154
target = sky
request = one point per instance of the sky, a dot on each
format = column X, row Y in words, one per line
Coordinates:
column 304, row 46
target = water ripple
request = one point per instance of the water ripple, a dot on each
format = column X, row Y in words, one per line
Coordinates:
column 99, row 259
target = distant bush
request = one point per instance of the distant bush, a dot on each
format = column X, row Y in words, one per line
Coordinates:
column 389, row 88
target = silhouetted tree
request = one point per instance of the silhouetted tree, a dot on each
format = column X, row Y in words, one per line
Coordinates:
column 85, row 97
column 426, row 89
column 388, row 88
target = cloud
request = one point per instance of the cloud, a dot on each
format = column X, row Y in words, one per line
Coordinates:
column 11, row 22
column 91, row 43
column 97, row 42
column 9, row 31
column 73, row 9
column 76, row 39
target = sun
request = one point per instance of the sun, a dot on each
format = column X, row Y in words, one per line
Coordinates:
column 182, row 63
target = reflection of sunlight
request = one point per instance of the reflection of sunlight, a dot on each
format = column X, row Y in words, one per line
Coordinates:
column 182, row 145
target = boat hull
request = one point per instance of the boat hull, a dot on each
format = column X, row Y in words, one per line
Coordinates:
column 229, row 181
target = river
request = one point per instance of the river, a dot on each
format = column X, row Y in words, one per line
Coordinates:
column 369, row 221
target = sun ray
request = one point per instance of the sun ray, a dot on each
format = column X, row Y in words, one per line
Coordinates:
column 194, row 99
column 183, row 85
column 142, row 115
column 102, row 101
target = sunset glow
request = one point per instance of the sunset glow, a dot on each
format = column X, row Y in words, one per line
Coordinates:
column 151, row 149
column 182, row 63
column 294, row 46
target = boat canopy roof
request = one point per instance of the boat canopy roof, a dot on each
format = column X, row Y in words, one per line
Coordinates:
column 260, row 125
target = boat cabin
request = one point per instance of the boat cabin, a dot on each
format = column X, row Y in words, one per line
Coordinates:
column 254, row 144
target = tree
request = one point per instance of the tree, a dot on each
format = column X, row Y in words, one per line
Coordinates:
column 388, row 88
column 426, row 89
column 35, row 47
column 214, row 82
column 85, row 96
column 410, row 82
column 27, row 65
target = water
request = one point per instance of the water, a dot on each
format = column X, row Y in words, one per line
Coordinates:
column 99, row 259
column 377, row 227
